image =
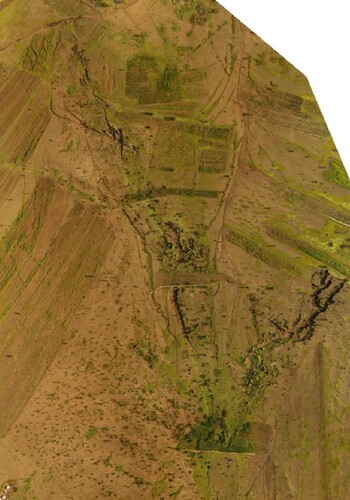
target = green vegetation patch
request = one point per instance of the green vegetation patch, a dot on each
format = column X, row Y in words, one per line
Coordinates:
column 169, row 85
column 108, row 3
column 146, row 350
column 337, row 174
column 100, row 3
column 309, row 249
column 149, row 81
column 91, row 432
column 25, row 491
column 259, row 375
column 309, row 105
column 38, row 56
column 159, row 488
column 207, row 133
column 213, row 434
column 142, row 78
column 255, row 245
column 184, row 251
column 198, row 12
column 164, row 191
column 210, row 169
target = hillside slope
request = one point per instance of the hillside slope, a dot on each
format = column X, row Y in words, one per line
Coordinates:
column 175, row 249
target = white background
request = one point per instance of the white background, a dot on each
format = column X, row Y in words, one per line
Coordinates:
column 314, row 35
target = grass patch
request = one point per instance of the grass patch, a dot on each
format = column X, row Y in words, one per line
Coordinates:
column 255, row 245
column 259, row 375
column 158, row 488
column 311, row 250
column 169, row 85
column 142, row 78
column 337, row 174
column 184, row 251
column 25, row 489
column 146, row 350
column 164, row 191
column 198, row 12
column 91, row 432
column 100, row 3
column 38, row 57
column 210, row 169
column 212, row 434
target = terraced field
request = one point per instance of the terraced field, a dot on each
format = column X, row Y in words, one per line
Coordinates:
column 174, row 224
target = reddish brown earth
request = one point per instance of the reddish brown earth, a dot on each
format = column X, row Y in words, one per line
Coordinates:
column 174, row 224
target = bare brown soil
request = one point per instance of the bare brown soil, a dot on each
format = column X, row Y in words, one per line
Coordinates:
column 168, row 189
